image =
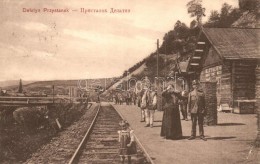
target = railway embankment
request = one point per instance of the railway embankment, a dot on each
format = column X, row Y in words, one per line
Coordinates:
column 62, row 146
column 18, row 141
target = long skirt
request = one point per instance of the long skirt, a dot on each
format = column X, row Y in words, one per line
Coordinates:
column 171, row 123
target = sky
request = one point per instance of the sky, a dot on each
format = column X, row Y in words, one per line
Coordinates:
column 77, row 45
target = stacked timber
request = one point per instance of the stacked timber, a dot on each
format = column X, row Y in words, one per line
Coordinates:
column 210, row 91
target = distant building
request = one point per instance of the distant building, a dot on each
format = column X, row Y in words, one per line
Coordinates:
column 3, row 92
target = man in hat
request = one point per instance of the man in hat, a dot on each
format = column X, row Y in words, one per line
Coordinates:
column 139, row 102
column 196, row 107
column 150, row 98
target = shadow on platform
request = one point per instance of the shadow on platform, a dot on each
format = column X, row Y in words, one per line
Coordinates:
column 185, row 137
column 230, row 124
column 220, row 138
column 157, row 126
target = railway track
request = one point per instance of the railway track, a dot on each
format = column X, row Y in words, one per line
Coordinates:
column 100, row 144
column 95, row 139
column 61, row 147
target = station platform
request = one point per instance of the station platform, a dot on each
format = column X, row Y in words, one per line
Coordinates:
column 231, row 141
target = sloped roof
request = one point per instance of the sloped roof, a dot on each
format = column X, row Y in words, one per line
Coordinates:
column 234, row 43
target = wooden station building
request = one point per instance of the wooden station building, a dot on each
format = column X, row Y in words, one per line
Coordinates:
column 230, row 57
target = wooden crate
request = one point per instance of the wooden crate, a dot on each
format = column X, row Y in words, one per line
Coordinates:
column 244, row 106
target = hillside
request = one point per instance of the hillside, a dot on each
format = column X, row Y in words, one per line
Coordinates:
column 247, row 20
column 148, row 68
column 62, row 86
column 123, row 79
column 182, row 40
column 13, row 83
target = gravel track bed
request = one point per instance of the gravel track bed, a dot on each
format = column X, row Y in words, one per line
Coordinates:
column 61, row 148
column 102, row 146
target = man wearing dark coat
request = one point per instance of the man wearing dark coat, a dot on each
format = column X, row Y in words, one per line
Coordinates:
column 196, row 107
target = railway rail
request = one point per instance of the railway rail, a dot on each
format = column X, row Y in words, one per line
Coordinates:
column 100, row 144
column 95, row 139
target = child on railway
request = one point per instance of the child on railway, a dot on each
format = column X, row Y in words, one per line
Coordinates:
column 127, row 142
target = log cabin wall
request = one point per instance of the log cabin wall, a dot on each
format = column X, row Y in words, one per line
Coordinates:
column 257, row 95
column 243, row 80
column 225, row 91
column 235, row 80
column 215, row 70
column 213, row 74
column 221, row 74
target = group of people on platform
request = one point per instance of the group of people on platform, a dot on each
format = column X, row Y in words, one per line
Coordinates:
column 192, row 103
column 173, row 101
column 128, row 97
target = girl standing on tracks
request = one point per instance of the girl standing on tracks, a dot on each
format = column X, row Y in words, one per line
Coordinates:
column 127, row 142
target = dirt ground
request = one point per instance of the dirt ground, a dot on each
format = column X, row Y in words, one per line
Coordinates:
column 18, row 143
column 229, row 142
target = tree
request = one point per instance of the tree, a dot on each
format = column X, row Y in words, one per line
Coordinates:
column 228, row 15
column 20, row 90
column 181, row 40
column 225, row 10
column 195, row 9
column 125, row 73
column 214, row 16
column 151, row 65
column 193, row 24
column 248, row 4
column 167, row 47
column 225, row 18
column 181, row 30
column 214, row 19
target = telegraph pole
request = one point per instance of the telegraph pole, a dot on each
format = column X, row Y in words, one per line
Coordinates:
column 105, row 83
column 165, row 41
column 159, row 96
column 157, row 59
column 127, row 85
column 52, row 93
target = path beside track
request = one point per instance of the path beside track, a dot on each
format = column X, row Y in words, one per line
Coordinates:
column 229, row 142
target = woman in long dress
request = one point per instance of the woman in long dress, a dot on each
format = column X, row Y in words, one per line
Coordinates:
column 171, row 123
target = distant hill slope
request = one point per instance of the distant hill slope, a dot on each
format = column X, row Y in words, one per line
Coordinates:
column 62, row 86
column 166, row 69
column 247, row 20
column 137, row 71
column 13, row 83
column 250, row 15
